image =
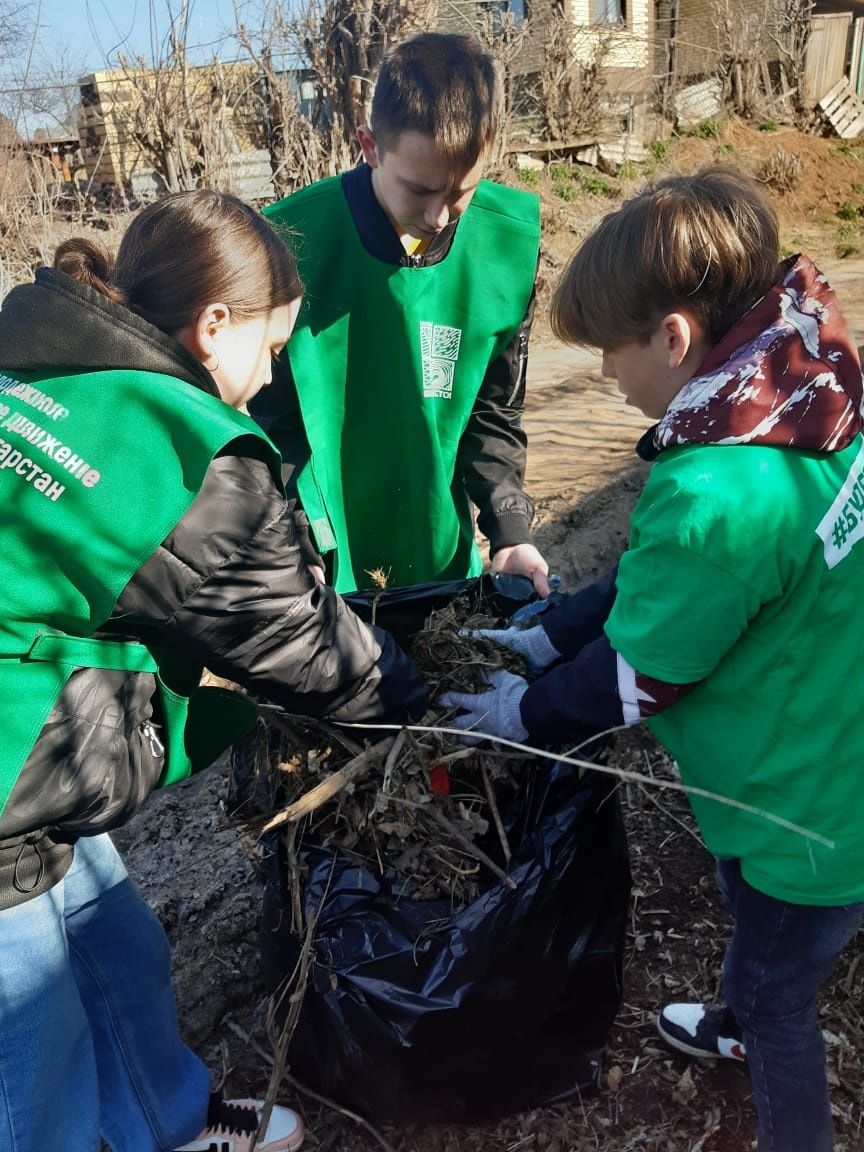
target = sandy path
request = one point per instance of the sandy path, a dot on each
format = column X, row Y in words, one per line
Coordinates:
column 580, row 432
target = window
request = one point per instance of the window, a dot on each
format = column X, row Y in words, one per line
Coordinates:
column 515, row 10
column 609, row 12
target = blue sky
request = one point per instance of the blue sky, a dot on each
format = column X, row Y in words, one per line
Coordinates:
column 75, row 37
column 94, row 30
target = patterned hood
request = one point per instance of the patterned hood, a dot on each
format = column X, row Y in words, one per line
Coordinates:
column 786, row 374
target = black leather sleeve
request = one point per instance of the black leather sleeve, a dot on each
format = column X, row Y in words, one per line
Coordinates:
column 492, row 451
column 231, row 586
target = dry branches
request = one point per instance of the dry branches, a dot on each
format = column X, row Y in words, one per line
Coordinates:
column 422, row 812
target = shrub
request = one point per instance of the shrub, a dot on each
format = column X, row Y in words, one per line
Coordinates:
column 781, row 171
column 564, row 191
column 596, row 185
column 848, row 242
column 707, row 130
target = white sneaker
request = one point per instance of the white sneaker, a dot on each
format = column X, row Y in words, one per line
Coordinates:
column 231, row 1124
column 705, row 1030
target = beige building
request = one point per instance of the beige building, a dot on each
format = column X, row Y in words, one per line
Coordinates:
column 620, row 33
column 154, row 129
column 616, row 36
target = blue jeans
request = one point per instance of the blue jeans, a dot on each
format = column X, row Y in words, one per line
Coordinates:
column 89, row 1045
column 779, row 957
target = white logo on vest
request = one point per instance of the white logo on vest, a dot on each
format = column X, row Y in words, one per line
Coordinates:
column 439, row 350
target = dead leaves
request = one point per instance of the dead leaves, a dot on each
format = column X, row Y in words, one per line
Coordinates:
column 422, row 813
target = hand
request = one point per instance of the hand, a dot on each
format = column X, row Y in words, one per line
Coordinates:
column 495, row 712
column 524, row 560
column 318, row 573
column 532, row 644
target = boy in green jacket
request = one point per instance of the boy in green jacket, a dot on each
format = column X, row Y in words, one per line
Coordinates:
column 399, row 402
column 734, row 624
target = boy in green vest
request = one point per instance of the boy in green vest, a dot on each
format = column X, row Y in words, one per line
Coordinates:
column 734, row 625
column 398, row 403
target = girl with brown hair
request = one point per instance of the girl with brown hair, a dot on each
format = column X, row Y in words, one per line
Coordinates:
column 146, row 535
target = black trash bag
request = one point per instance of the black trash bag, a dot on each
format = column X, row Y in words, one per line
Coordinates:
column 416, row 1013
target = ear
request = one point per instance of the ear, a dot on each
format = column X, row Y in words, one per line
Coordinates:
column 679, row 333
column 366, row 140
column 200, row 338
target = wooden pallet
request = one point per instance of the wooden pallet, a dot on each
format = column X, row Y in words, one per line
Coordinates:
column 844, row 110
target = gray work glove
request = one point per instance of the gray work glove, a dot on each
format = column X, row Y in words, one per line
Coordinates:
column 494, row 712
column 532, row 644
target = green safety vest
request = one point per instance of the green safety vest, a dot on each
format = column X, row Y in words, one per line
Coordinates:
column 95, row 471
column 388, row 362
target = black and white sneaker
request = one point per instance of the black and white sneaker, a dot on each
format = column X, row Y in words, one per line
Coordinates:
column 232, row 1124
column 705, row 1030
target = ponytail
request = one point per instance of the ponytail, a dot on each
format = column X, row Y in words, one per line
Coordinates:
column 89, row 263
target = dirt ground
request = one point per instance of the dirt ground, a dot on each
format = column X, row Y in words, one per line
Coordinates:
column 585, row 479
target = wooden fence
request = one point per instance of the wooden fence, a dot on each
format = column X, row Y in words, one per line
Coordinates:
column 827, row 54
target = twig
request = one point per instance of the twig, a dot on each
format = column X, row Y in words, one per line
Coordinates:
column 470, row 848
column 280, row 1048
column 292, row 1017
column 279, row 721
column 313, row 1095
column 459, row 754
column 493, row 808
column 850, row 978
column 330, row 787
column 450, row 866
column 380, row 803
column 346, row 1112
column 279, row 718
column 379, row 579
column 374, row 612
column 347, row 743
column 294, row 866
column 671, row 815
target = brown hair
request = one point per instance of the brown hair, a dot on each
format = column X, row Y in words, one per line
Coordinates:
column 444, row 85
column 707, row 243
column 184, row 252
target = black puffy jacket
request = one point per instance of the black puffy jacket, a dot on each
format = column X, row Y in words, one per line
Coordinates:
column 229, row 585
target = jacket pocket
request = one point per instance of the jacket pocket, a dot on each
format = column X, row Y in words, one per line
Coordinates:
column 96, row 759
